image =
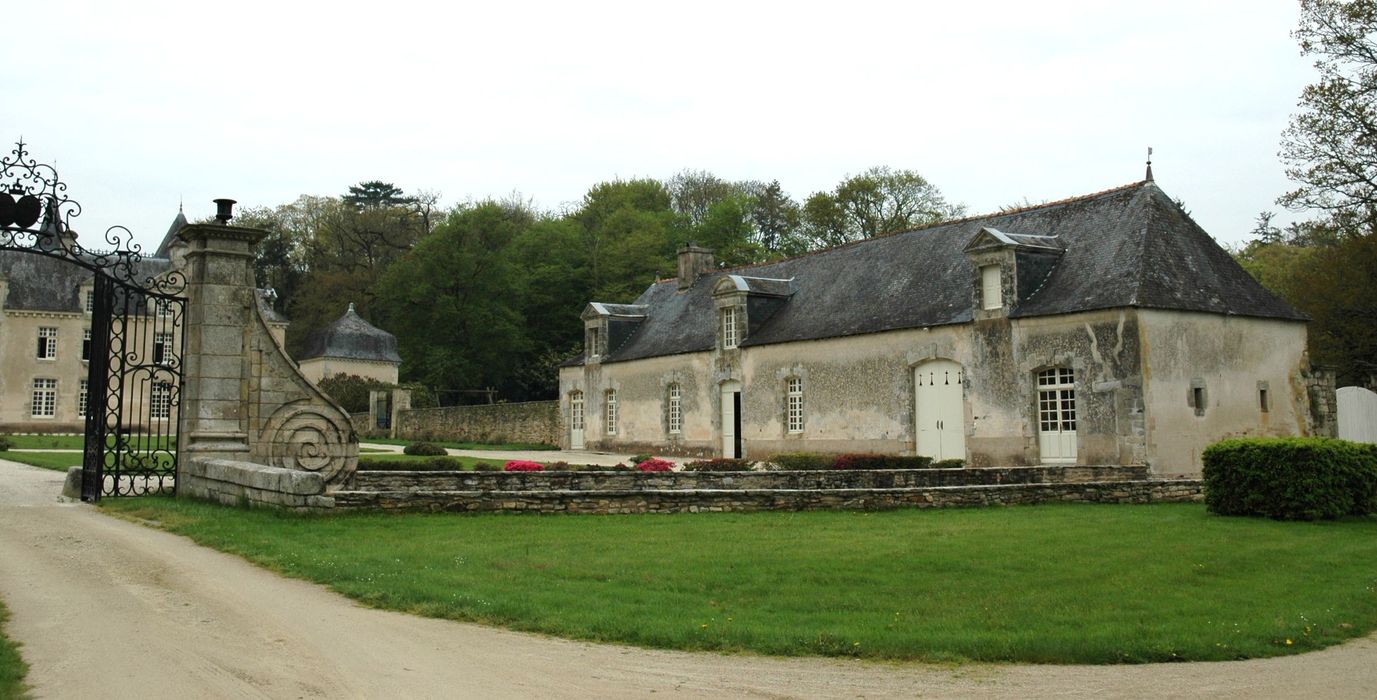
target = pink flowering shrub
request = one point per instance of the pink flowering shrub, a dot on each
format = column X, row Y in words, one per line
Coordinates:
column 521, row 465
column 655, row 465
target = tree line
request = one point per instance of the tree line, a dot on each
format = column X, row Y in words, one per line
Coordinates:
column 1327, row 266
column 487, row 294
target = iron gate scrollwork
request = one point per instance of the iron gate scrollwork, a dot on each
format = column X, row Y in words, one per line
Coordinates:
column 137, row 309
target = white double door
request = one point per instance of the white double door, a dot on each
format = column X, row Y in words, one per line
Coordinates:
column 940, row 414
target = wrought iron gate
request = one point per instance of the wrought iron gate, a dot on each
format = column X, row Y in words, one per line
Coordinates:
column 133, row 382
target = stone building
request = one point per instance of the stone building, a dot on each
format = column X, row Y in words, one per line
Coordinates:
column 1107, row 329
column 351, row 345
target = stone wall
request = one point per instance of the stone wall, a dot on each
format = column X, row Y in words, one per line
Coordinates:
column 416, row 481
column 532, row 421
column 741, row 500
column 233, row 482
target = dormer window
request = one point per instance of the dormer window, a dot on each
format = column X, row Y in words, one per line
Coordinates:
column 731, row 327
column 597, row 342
column 991, row 288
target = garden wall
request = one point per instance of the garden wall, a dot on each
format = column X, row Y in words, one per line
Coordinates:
column 531, row 421
column 678, row 492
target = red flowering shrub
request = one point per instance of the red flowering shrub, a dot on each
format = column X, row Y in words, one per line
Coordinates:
column 521, row 465
column 655, row 465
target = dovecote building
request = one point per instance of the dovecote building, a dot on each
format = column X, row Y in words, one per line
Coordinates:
column 1105, row 329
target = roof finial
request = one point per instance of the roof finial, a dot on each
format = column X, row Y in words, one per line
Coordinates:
column 351, row 307
column 1149, row 164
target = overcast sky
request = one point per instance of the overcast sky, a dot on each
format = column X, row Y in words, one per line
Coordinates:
column 143, row 105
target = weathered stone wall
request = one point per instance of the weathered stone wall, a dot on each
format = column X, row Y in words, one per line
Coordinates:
column 754, row 480
column 1230, row 361
column 244, row 483
column 721, row 500
column 642, row 393
column 531, row 421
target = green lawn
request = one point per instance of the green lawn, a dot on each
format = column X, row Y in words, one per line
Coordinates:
column 47, row 442
column 527, row 446
column 1054, row 584
column 12, row 668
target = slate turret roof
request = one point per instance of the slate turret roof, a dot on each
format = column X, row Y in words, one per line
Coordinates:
column 352, row 338
column 1127, row 247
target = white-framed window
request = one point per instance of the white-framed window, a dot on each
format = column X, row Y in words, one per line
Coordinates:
column 576, row 410
column 47, row 343
column 731, row 327
column 162, row 307
column 44, row 404
column 674, row 409
column 90, row 301
column 991, row 288
column 83, row 398
column 597, row 344
column 86, row 345
column 610, row 399
column 162, row 348
column 160, row 400
column 1057, row 400
column 794, row 404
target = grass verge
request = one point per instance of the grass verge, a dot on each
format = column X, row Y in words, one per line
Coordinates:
column 394, row 461
column 47, row 442
column 1042, row 584
column 12, row 667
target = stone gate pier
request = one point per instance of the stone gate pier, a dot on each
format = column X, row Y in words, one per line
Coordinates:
column 252, row 429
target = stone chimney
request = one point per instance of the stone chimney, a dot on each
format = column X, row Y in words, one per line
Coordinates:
column 694, row 261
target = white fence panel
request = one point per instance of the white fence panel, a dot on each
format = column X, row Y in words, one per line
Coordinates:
column 1357, row 414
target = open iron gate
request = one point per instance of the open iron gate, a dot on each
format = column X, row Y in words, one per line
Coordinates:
column 134, row 376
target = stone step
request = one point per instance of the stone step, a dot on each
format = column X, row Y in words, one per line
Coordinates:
column 740, row 500
column 760, row 480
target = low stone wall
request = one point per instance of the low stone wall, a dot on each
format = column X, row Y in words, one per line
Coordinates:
column 531, row 421
column 361, row 423
column 741, row 500
column 416, row 481
column 234, row 483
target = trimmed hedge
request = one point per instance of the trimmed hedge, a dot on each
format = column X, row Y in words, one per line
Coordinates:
column 878, row 461
column 425, row 449
column 435, row 464
column 719, row 464
column 801, row 461
column 1291, row 478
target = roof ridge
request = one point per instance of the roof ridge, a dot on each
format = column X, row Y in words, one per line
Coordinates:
column 947, row 222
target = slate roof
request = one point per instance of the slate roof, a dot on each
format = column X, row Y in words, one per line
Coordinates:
column 40, row 283
column 170, row 238
column 352, row 338
column 1127, row 247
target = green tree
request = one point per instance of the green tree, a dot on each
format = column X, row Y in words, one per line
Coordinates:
column 878, row 201
column 777, row 219
column 630, row 233
column 1330, row 147
column 452, row 301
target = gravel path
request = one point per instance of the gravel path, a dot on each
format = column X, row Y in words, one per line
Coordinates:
column 107, row 608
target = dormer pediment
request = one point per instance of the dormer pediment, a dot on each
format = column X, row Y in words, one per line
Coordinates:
column 754, row 286
column 596, row 310
column 991, row 238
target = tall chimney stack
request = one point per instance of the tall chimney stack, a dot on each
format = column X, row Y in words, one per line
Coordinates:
column 694, row 260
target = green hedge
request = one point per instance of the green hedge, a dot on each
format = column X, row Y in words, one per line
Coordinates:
column 424, row 449
column 878, row 461
column 434, row 464
column 719, row 464
column 1291, row 478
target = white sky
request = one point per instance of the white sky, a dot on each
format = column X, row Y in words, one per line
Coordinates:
column 144, row 104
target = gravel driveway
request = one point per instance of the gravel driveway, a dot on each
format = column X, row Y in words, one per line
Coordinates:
column 111, row 609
